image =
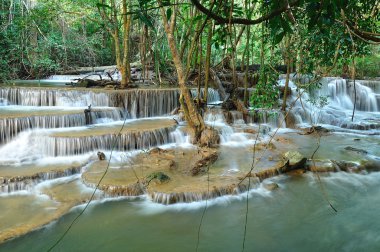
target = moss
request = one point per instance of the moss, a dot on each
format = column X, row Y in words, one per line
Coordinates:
column 160, row 176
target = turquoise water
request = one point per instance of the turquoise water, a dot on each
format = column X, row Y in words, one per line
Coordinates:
column 296, row 217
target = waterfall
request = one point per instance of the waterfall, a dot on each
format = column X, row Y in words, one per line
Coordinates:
column 137, row 102
column 3, row 102
column 150, row 102
column 9, row 185
column 63, row 146
column 10, row 127
column 186, row 197
column 340, row 102
column 342, row 93
column 212, row 95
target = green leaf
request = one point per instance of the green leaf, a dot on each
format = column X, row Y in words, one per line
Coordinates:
column 100, row 5
column 166, row 3
column 169, row 13
column 278, row 37
column 146, row 20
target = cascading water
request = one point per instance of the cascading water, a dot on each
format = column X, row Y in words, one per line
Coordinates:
column 337, row 107
column 15, row 119
column 49, row 146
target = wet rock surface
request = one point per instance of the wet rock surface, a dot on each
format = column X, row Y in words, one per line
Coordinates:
column 209, row 137
column 353, row 149
column 294, row 160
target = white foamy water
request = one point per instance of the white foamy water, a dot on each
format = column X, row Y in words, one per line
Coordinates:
column 340, row 97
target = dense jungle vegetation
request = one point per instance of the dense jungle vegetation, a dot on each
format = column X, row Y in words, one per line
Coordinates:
column 42, row 37
column 189, row 42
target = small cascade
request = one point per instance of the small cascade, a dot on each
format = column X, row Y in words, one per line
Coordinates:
column 135, row 140
column 24, row 148
column 179, row 137
column 342, row 94
column 187, row 197
column 78, row 98
column 340, row 97
column 3, row 102
column 272, row 117
column 212, row 95
column 141, row 103
column 372, row 84
column 53, row 97
column 10, row 127
column 238, row 117
column 137, row 102
column 9, row 185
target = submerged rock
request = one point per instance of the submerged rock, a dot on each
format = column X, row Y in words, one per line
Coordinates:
column 158, row 177
column 346, row 166
column 359, row 151
column 271, row 186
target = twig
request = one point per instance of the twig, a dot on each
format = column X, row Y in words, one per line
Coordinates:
column 93, row 194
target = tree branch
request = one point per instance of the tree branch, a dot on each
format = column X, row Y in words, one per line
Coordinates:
column 244, row 21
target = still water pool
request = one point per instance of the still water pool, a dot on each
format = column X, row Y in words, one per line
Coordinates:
column 295, row 217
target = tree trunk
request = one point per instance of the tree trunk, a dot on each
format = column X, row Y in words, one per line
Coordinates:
column 208, row 58
column 288, row 62
column 125, row 69
column 192, row 116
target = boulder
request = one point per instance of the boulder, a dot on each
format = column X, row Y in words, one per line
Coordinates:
column 359, row 151
column 294, row 160
column 101, row 155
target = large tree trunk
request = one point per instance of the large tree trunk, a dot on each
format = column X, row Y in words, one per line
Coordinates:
column 125, row 69
column 192, row 115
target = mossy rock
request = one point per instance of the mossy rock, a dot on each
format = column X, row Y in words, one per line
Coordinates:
column 159, row 177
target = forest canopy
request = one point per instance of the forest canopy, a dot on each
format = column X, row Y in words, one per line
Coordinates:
column 43, row 37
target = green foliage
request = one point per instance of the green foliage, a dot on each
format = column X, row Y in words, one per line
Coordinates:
column 39, row 41
column 266, row 93
column 319, row 102
column 61, row 34
column 368, row 66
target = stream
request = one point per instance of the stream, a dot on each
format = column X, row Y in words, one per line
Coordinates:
column 48, row 159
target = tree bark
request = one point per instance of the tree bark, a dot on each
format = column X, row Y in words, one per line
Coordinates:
column 208, row 58
column 288, row 61
column 192, row 116
column 125, row 68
